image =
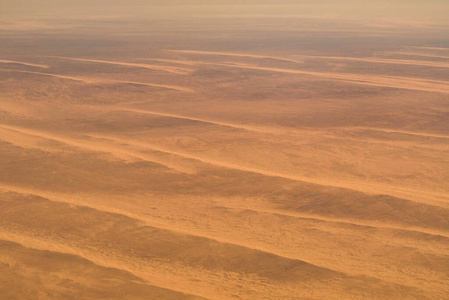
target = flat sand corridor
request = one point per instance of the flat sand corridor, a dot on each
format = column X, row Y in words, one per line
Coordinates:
column 147, row 160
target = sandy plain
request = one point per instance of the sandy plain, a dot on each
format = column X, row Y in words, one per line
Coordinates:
column 222, row 157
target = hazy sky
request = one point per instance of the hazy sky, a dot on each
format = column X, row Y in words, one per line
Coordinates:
column 432, row 11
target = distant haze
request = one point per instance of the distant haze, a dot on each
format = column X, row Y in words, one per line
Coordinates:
column 418, row 10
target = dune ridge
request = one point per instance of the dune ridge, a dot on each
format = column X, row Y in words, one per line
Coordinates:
column 4, row 61
column 361, row 59
column 418, row 54
column 148, row 270
column 368, row 187
column 93, row 80
column 237, row 55
column 173, row 70
column 91, row 145
column 408, row 83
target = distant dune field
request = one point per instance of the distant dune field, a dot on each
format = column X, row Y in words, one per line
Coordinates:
column 202, row 152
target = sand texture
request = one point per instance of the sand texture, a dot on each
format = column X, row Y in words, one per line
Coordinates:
column 223, row 155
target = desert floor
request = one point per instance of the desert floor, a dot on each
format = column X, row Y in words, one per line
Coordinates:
column 223, row 158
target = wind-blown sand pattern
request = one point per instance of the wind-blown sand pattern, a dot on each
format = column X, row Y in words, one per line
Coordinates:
column 89, row 80
column 385, row 61
column 237, row 55
column 235, row 152
column 145, row 66
column 431, row 55
column 384, row 81
column 362, row 59
column 3, row 61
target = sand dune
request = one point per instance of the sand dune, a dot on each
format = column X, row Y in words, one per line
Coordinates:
column 174, row 61
column 91, row 80
column 168, row 244
column 366, row 187
column 89, row 202
column 237, row 55
column 406, row 132
column 288, row 156
column 97, row 256
column 302, row 57
column 168, row 69
column 269, row 129
column 213, row 122
column 358, row 222
column 181, row 161
column 420, row 54
column 164, row 86
column 24, row 63
column 198, row 63
column 427, row 85
column 373, row 80
column 430, row 48
column 128, row 154
column 86, row 203
column 383, row 61
column 98, row 276
column 191, row 252
column 14, row 137
column 80, row 79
